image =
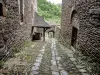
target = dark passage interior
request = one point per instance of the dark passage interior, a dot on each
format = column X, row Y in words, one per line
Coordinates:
column 74, row 37
column 1, row 9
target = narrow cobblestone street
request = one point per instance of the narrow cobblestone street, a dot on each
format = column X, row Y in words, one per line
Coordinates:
column 49, row 37
column 52, row 60
column 44, row 58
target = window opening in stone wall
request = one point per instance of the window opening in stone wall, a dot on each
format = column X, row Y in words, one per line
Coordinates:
column 21, row 10
column 1, row 9
column 74, row 37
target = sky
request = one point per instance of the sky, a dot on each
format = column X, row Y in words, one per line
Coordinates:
column 55, row 1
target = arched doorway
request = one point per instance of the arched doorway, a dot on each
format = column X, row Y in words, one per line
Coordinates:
column 75, row 28
column 51, row 34
column 74, row 37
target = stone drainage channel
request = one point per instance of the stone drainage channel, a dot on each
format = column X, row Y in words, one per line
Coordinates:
column 56, row 67
column 37, row 64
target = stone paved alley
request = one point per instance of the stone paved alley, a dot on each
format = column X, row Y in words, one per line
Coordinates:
column 38, row 37
column 44, row 58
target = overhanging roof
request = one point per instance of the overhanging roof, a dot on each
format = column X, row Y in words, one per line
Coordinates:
column 39, row 22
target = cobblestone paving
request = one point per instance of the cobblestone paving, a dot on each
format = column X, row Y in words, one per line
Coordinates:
column 45, row 58
column 56, row 67
column 56, row 62
column 68, row 65
column 45, row 68
column 37, row 63
column 23, row 61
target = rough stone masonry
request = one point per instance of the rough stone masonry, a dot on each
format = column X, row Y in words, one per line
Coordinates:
column 16, row 20
column 80, row 28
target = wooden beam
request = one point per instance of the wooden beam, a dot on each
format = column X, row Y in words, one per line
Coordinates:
column 43, row 34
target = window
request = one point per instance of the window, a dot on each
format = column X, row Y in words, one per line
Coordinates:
column 1, row 9
column 75, row 28
column 21, row 10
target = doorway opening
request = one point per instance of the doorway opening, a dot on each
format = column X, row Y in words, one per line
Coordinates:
column 1, row 9
column 74, row 37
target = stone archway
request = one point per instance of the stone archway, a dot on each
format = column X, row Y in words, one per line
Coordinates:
column 52, row 33
column 75, row 28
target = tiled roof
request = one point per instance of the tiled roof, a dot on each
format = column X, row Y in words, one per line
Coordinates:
column 39, row 21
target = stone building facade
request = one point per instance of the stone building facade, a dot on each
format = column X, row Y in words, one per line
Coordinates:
column 80, row 28
column 16, row 20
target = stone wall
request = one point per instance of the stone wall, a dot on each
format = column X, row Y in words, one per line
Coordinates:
column 89, row 30
column 78, row 14
column 9, row 25
column 59, row 36
column 13, row 32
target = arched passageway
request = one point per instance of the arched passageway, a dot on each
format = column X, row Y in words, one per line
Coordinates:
column 75, row 28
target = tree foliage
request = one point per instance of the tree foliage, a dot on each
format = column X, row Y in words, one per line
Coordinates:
column 50, row 12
